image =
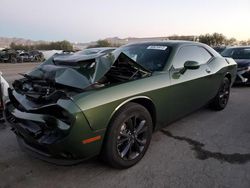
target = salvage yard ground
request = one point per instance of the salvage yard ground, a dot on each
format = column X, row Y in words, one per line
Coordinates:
column 11, row 70
column 205, row 149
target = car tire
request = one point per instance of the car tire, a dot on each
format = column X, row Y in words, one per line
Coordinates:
column 221, row 99
column 128, row 136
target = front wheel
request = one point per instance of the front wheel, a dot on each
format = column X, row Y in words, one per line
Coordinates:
column 128, row 136
column 221, row 99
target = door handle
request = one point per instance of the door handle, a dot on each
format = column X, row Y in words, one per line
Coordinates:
column 208, row 70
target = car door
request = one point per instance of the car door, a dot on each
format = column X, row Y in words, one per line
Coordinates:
column 189, row 90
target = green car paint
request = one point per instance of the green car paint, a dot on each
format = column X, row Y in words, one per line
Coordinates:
column 168, row 94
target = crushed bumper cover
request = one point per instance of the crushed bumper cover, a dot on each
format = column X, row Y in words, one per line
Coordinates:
column 39, row 154
column 34, row 140
column 50, row 139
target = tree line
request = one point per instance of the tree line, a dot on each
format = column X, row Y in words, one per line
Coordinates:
column 214, row 40
column 104, row 43
column 59, row 45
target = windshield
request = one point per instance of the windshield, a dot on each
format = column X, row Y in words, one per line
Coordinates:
column 151, row 57
column 237, row 53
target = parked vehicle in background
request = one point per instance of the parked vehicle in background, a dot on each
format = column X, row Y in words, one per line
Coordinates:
column 101, row 50
column 49, row 53
column 242, row 57
column 8, row 56
column 17, row 56
column 3, row 94
column 24, row 57
column 76, row 106
column 36, row 56
column 30, row 56
column 219, row 49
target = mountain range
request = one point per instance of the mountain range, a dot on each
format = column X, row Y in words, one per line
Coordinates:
column 5, row 41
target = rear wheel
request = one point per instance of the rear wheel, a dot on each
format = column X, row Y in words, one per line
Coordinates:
column 221, row 99
column 128, row 137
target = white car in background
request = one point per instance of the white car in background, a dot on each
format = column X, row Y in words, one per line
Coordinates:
column 3, row 94
column 48, row 53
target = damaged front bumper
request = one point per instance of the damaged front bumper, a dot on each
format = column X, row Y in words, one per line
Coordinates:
column 50, row 137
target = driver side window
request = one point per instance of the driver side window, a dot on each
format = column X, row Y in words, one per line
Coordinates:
column 191, row 53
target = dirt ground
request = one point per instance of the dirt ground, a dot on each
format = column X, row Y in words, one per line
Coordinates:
column 11, row 71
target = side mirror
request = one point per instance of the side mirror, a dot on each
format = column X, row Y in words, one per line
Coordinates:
column 192, row 65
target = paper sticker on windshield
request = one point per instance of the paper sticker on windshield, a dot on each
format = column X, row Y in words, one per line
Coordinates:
column 157, row 47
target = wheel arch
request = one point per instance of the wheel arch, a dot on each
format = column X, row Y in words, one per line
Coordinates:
column 229, row 76
column 145, row 101
column 149, row 105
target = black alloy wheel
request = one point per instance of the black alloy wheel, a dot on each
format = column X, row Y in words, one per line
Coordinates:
column 128, row 136
column 221, row 99
column 224, row 93
column 132, row 138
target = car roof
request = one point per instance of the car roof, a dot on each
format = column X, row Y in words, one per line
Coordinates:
column 177, row 44
column 173, row 43
column 237, row 47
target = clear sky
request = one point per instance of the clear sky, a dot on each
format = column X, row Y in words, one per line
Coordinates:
column 90, row 20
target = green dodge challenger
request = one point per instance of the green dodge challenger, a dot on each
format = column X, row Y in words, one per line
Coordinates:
column 73, row 106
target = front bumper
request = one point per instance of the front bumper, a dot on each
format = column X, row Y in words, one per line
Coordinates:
column 48, row 157
column 47, row 138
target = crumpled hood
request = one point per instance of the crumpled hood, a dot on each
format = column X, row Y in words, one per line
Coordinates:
column 74, row 58
column 60, row 75
column 72, row 70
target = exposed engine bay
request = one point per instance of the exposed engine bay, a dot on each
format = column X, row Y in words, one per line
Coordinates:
column 58, row 78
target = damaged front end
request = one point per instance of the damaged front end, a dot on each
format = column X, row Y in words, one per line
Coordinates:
column 41, row 127
column 42, row 113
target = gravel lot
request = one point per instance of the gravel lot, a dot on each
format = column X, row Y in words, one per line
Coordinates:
column 11, row 71
column 205, row 149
